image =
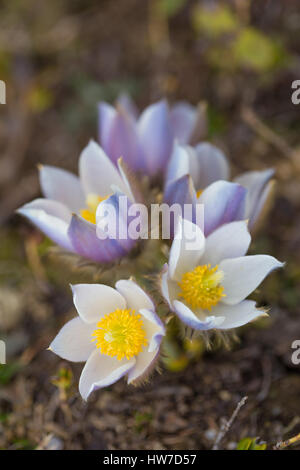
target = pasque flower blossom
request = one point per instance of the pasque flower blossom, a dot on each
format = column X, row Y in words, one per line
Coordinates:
column 146, row 141
column 117, row 332
column 200, row 174
column 67, row 214
column 205, row 284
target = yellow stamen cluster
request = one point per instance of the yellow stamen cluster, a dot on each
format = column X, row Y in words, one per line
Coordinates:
column 92, row 202
column 120, row 334
column 201, row 287
column 199, row 192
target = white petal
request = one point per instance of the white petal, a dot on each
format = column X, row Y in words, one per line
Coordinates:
column 51, row 217
column 237, row 315
column 74, row 341
column 136, row 298
column 97, row 172
column 154, row 327
column 61, row 185
column 125, row 175
column 169, row 288
column 93, row 301
column 243, row 275
column 144, row 361
column 186, row 249
column 228, row 241
column 188, row 317
column 102, row 371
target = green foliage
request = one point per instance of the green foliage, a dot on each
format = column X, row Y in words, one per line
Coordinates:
column 141, row 419
column 63, row 381
column 234, row 45
column 216, row 122
column 249, row 443
column 39, row 99
column 214, row 22
column 169, row 8
column 174, row 359
column 254, row 50
column 22, row 444
column 4, row 417
column 81, row 110
column 8, row 371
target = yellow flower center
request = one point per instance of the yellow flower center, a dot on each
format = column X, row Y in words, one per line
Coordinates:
column 201, row 287
column 199, row 192
column 92, row 202
column 120, row 334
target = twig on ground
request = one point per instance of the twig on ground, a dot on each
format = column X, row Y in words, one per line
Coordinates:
column 283, row 444
column 267, row 378
column 227, row 424
column 251, row 118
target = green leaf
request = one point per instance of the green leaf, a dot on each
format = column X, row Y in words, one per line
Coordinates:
column 256, row 51
column 170, row 7
column 249, row 443
column 8, row 371
column 215, row 22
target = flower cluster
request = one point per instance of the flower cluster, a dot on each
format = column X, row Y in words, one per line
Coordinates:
column 207, row 275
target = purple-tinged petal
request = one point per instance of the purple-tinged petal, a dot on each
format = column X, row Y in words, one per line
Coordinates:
column 188, row 317
column 122, row 141
column 224, row 202
column 113, row 222
column 74, row 341
column 106, row 114
column 182, row 196
column 156, row 137
column 263, row 206
column 256, row 183
column 93, row 301
column 87, row 244
column 101, row 371
column 180, row 191
column 179, row 163
column 183, row 118
column 51, row 217
column 125, row 102
column 208, row 164
column 62, row 186
column 200, row 129
column 155, row 329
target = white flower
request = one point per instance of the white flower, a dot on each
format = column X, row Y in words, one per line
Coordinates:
column 117, row 332
column 206, row 287
column 67, row 214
